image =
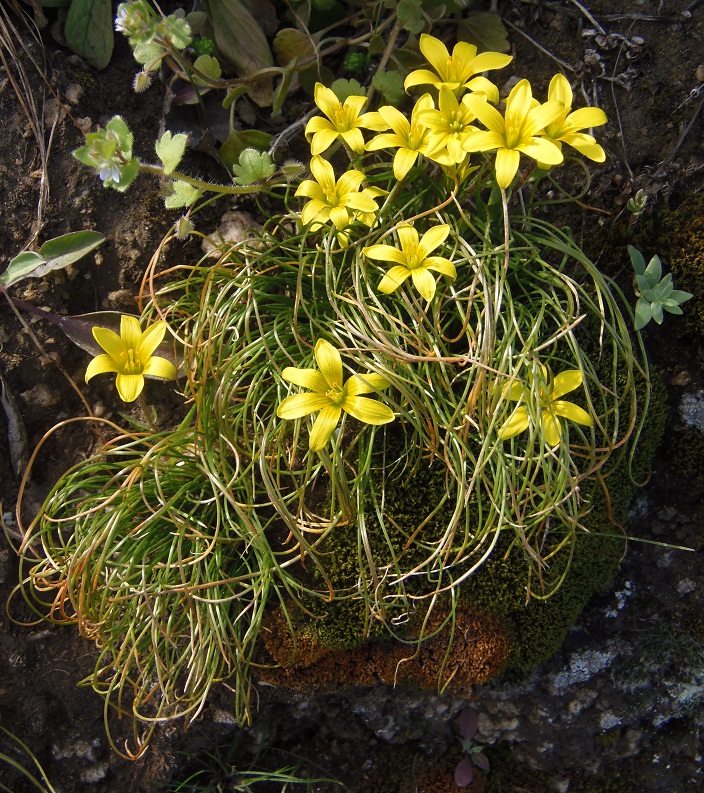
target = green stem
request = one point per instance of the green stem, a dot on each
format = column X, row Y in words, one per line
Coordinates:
column 208, row 186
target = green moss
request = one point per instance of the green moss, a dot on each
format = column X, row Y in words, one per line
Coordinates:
column 685, row 453
column 677, row 236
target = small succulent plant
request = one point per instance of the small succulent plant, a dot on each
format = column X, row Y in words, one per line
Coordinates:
column 473, row 754
column 654, row 292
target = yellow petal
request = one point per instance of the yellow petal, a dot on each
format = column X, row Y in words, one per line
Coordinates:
column 354, row 139
column 350, row 181
column 385, row 141
column 365, row 384
column 560, row 90
column 432, row 239
column 586, row 145
column 518, row 104
column 129, row 386
column 483, row 141
column 323, row 427
column 404, row 160
column 423, row 282
column 586, row 117
column 551, row 428
column 306, row 378
column 542, row 150
column 298, row 405
column 150, row 340
column 420, row 77
column 484, row 87
column 130, row 331
column 326, row 100
column 489, row 60
column 157, row 366
column 395, row 119
column 374, row 121
column 329, row 362
column 393, row 279
column 368, row 410
column 572, row 412
column 310, row 189
column 440, row 265
column 514, row 425
column 353, row 105
column 436, row 53
column 315, row 211
column 340, row 217
column 323, row 173
column 100, row 365
column 113, row 345
column 385, row 253
column 488, row 115
column 540, row 117
column 408, row 237
column 507, row 161
column 565, row 382
column 316, row 124
column 323, row 140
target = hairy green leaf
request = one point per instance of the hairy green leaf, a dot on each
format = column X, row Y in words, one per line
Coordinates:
column 178, row 194
column 291, row 44
column 410, row 16
column 254, row 166
column 170, row 149
column 89, row 30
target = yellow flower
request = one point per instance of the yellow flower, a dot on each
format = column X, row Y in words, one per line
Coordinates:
column 413, row 259
column 343, row 121
column 131, row 355
column 518, row 132
column 455, row 71
column 549, row 405
column 565, row 129
column 338, row 201
column 450, row 126
column 411, row 138
column 330, row 396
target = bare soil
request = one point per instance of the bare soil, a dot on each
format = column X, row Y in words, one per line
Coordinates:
column 643, row 62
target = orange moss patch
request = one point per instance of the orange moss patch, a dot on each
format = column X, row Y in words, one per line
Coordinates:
column 475, row 653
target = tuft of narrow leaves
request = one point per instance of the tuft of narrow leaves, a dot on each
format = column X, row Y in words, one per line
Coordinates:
column 655, row 293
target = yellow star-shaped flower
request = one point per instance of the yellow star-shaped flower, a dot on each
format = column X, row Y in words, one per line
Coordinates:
column 331, row 396
column 343, row 121
column 339, row 201
column 566, row 127
column 455, row 71
column 410, row 138
column 413, row 259
column 518, row 131
column 549, row 405
column 131, row 355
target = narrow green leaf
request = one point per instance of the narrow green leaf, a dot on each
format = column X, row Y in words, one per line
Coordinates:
column 672, row 308
column 89, row 30
column 233, row 95
column 22, row 266
column 53, row 255
column 656, row 311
